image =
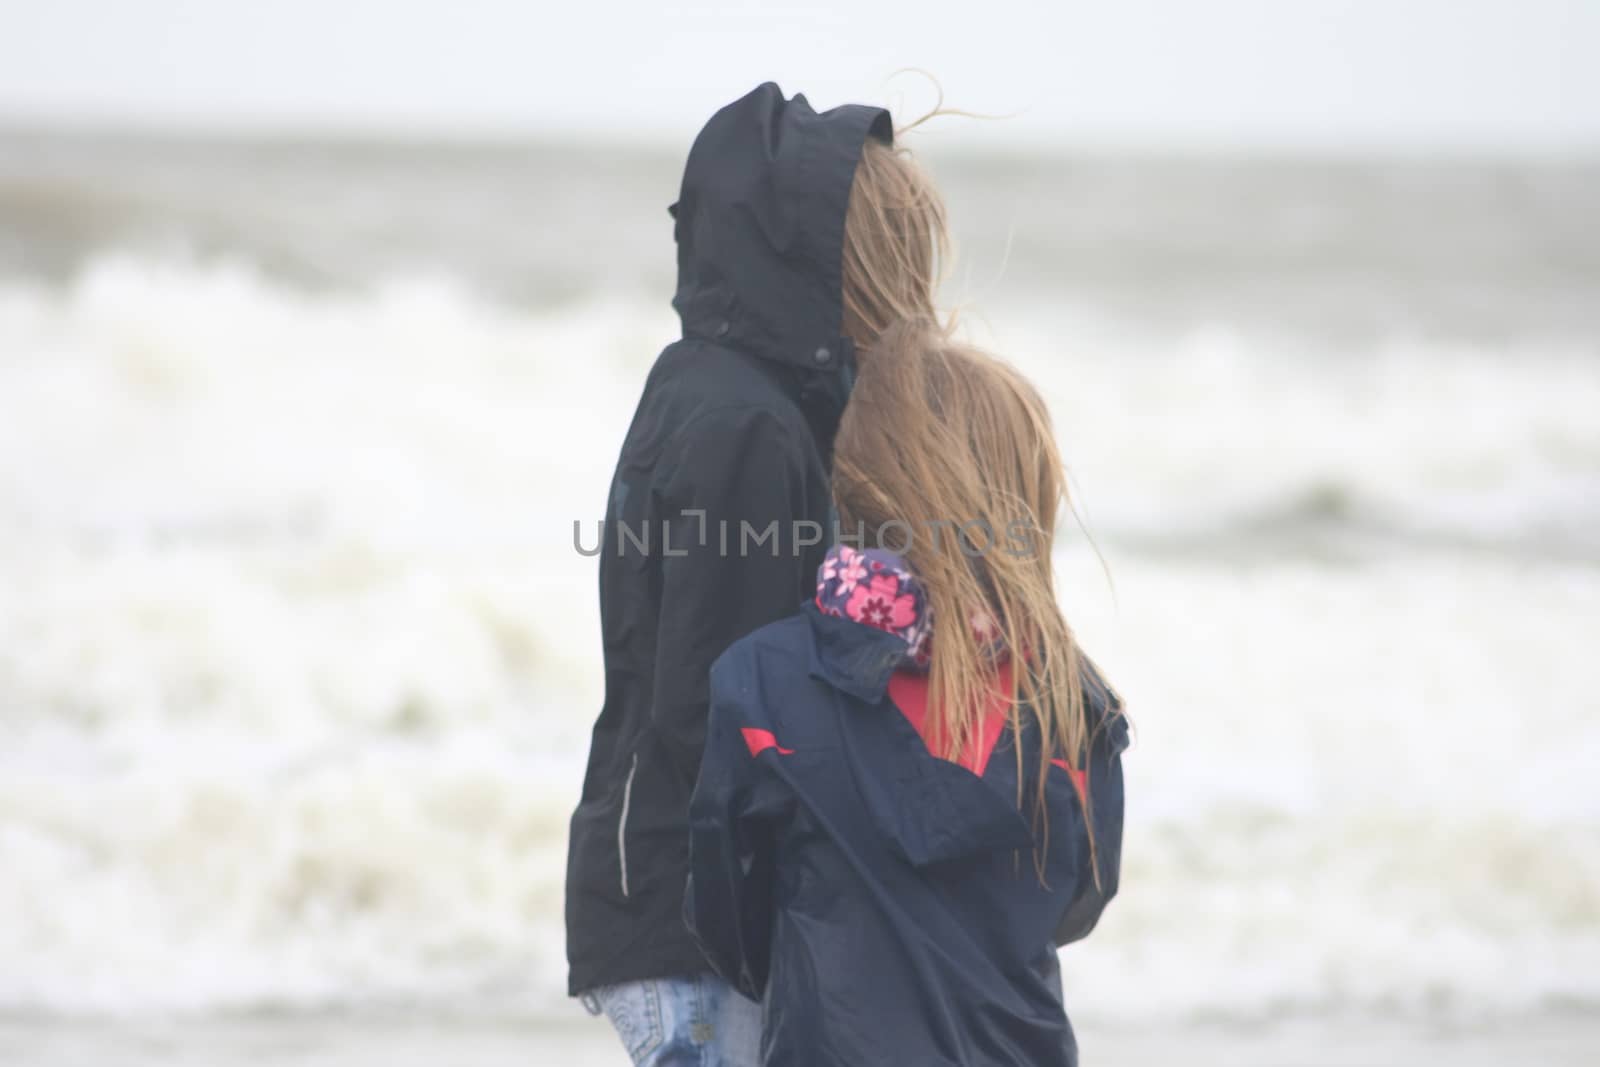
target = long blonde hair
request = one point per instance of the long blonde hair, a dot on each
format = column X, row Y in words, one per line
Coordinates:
column 947, row 455
column 896, row 242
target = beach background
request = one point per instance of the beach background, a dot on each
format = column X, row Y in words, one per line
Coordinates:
column 298, row 659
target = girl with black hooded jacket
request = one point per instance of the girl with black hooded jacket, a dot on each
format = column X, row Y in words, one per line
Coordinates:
column 801, row 237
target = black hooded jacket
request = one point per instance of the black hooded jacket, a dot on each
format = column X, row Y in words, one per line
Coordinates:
column 718, row 514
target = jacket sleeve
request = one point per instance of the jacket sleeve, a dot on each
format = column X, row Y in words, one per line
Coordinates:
column 733, row 818
column 1104, row 812
column 734, row 469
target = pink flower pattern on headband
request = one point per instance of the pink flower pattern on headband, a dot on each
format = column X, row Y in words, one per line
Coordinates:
column 875, row 588
column 880, row 603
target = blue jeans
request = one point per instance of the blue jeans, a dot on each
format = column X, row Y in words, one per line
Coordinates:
column 682, row 1022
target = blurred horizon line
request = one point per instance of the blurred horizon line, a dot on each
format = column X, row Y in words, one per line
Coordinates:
column 952, row 139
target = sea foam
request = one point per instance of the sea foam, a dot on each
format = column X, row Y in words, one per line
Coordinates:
column 298, row 662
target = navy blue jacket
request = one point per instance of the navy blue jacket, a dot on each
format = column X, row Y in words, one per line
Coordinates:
column 882, row 902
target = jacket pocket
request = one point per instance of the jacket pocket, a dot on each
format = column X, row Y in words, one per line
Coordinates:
column 622, row 823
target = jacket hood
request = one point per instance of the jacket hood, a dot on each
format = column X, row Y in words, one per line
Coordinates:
column 929, row 809
column 759, row 224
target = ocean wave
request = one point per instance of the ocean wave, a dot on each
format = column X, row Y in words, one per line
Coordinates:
column 1176, row 441
column 298, row 663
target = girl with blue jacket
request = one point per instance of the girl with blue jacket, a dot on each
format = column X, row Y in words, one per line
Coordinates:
column 911, row 793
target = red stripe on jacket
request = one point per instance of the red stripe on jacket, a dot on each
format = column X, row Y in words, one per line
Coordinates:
column 761, row 740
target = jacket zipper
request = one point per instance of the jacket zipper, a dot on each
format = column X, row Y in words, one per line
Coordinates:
column 622, row 823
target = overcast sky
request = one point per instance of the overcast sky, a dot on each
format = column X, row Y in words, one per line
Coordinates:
column 1520, row 74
